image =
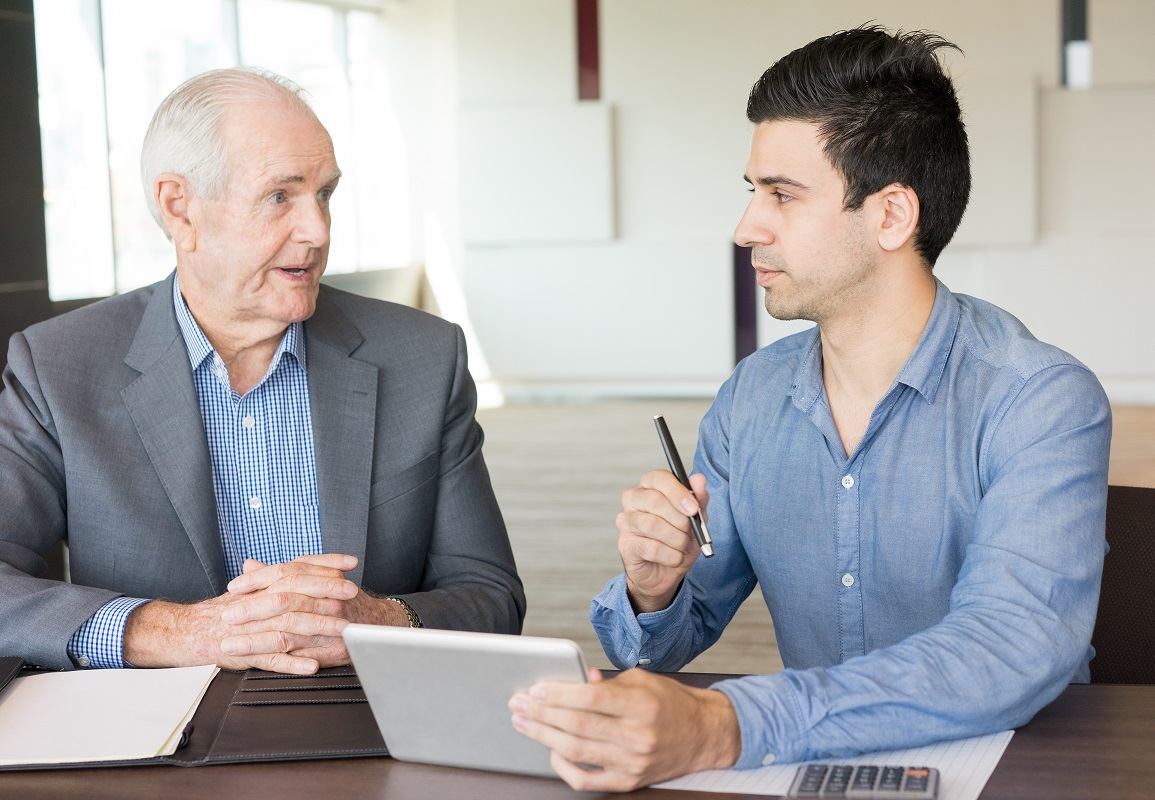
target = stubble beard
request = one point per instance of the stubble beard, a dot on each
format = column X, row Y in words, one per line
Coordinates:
column 777, row 301
column 824, row 294
column 779, row 308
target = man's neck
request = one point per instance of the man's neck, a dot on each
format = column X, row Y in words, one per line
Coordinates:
column 249, row 364
column 247, row 353
column 863, row 351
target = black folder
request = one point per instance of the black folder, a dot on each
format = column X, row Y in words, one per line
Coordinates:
column 10, row 667
column 264, row 716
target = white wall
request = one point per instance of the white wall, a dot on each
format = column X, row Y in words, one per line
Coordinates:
column 621, row 283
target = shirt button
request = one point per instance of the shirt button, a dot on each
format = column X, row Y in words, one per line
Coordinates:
column 248, row 422
column 83, row 662
column 769, row 759
column 254, row 502
column 847, row 481
column 848, row 580
column 643, row 662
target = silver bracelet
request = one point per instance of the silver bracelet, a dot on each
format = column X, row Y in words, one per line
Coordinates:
column 414, row 620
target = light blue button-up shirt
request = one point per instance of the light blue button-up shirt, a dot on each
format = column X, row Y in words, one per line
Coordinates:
column 941, row 582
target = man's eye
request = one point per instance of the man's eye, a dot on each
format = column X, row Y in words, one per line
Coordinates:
column 278, row 198
column 783, row 198
column 325, row 194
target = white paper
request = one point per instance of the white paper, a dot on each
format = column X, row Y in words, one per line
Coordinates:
column 99, row 714
column 964, row 767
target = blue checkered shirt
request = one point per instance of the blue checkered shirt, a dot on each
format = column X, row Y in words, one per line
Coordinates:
column 264, row 473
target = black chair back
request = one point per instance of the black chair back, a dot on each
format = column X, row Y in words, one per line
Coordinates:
column 1124, row 638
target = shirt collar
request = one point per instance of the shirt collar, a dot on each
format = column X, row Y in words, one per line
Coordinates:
column 923, row 369
column 198, row 345
column 926, row 365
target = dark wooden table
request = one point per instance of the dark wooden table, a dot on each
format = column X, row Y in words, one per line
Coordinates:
column 1095, row 741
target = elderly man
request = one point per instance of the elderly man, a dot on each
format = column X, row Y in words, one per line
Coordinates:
column 241, row 460
column 916, row 484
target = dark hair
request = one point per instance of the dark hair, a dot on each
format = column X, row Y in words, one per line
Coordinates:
column 886, row 112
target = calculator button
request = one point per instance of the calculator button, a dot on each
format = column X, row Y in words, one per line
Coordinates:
column 838, row 781
column 916, row 779
column 809, row 782
column 865, row 778
column 891, row 778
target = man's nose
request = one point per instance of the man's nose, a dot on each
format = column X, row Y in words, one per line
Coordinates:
column 312, row 223
column 753, row 228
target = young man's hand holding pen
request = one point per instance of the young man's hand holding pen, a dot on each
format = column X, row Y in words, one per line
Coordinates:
column 657, row 539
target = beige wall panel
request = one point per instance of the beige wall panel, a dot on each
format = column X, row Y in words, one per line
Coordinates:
column 653, row 314
column 1090, row 296
column 1123, row 41
column 1097, row 162
column 677, row 51
column 516, row 51
column 680, row 170
column 536, row 174
column 1001, row 124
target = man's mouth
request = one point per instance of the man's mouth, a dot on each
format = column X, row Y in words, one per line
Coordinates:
column 294, row 272
column 766, row 275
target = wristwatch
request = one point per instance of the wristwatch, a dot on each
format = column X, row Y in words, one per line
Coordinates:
column 414, row 620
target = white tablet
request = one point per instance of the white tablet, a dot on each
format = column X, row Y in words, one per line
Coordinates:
column 442, row 697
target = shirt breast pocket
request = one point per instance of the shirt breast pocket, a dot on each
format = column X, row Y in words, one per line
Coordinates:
column 399, row 483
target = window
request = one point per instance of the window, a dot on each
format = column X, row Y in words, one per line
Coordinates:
column 105, row 65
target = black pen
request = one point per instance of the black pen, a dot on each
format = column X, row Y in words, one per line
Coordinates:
column 675, row 461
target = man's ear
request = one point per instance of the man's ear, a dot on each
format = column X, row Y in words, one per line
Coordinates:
column 900, row 210
column 173, row 199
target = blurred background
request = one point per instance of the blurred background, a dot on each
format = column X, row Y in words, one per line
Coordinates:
column 562, row 178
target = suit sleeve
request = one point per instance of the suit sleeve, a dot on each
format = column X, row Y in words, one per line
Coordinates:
column 470, row 581
column 39, row 615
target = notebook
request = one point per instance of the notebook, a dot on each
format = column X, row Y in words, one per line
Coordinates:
column 258, row 716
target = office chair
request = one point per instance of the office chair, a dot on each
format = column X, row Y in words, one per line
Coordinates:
column 1124, row 638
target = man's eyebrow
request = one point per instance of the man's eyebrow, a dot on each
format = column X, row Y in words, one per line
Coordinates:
column 282, row 180
column 776, row 180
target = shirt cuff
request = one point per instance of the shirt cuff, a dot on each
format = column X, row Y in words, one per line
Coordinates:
column 769, row 717
column 636, row 640
column 99, row 642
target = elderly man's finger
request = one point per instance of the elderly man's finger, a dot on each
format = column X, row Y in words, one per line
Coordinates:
column 266, row 576
column 289, row 664
column 258, row 609
column 273, row 641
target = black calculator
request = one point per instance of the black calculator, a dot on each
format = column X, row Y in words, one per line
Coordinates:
column 865, row 782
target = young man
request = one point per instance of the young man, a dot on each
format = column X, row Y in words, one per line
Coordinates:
column 917, row 484
column 241, row 460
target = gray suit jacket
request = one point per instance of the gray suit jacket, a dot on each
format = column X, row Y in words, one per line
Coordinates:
column 102, row 445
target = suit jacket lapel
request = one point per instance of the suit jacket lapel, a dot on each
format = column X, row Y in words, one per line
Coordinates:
column 343, row 402
column 163, row 406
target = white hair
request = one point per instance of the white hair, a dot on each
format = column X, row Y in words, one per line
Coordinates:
column 186, row 135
